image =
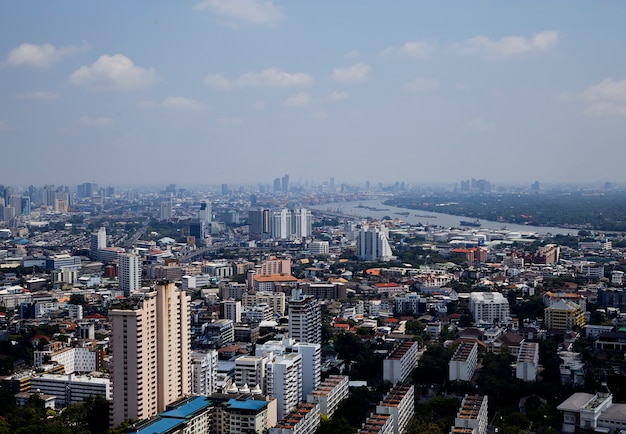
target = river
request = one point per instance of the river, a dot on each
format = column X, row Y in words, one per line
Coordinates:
column 376, row 209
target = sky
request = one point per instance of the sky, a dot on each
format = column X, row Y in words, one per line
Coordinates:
column 244, row 91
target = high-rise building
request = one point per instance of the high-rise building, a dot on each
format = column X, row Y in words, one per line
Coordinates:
column 166, row 210
column 129, row 273
column 284, row 185
column 205, row 212
column 260, row 223
column 372, row 244
column 281, row 224
column 204, row 372
column 150, row 347
column 283, row 380
column 231, row 309
column 305, row 319
column 301, row 223
column 97, row 241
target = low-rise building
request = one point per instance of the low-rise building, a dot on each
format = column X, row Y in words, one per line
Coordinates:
column 464, row 362
column 472, row 416
column 527, row 362
column 303, row 419
column 400, row 364
column 399, row 404
column 329, row 394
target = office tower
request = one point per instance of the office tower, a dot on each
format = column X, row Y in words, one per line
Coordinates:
column 25, row 205
column 301, row 224
column 150, row 346
column 305, row 319
column 231, row 309
column 97, row 241
column 277, row 187
column 284, row 185
column 260, row 223
column 86, row 190
column 197, row 229
column 281, row 224
column 15, row 200
column 225, row 190
column 205, row 212
column 166, row 211
column 129, row 273
column 372, row 244
column 204, row 372
column 61, row 201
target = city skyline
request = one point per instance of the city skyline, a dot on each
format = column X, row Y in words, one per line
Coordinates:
column 215, row 91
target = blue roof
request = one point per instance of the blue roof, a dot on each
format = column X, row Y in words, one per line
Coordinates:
column 248, row 404
column 189, row 408
column 160, row 425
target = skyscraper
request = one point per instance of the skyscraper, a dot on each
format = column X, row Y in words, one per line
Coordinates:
column 281, row 224
column 205, row 212
column 305, row 319
column 372, row 245
column 151, row 349
column 97, row 241
column 165, row 211
column 129, row 273
column 284, row 185
column 301, row 225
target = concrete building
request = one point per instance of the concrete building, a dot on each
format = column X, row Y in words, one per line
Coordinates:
column 372, row 244
column 527, row 361
column 473, row 416
column 319, row 248
column 284, row 382
column 204, row 372
column 399, row 404
column 401, row 362
column 303, row 419
column 251, row 371
column 275, row 300
column 150, row 347
column 377, row 424
column 585, row 411
column 329, row 394
column 97, row 241
column 70, row 389
column 464, row 362
column 564, row 315
column 489, row 307
column 305, row 319
column 231, row 309
column 129, row 273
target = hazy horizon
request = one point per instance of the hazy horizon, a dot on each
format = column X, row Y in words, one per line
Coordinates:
column 207, row 92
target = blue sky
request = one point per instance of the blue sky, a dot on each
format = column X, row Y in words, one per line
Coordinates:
column 243, row 91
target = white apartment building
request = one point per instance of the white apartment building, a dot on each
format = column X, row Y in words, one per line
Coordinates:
column 70, row 389
column 377, row 424
column 231, row 309
column 129, row 273
column 311, row 360
column 257, row 314
column 204, row 372
column 305, row 320
column 283, row 381
column 400, row 405
column 196, row 281
column 330, row 393
column 319, row 248
column 527, row 361
column 303, row 419
column 400, row 364
column 473, row 415
column 489, row 307
column 150, row 347
column 464, row 362
column 250, row 371
column 372, row 244
column 74, row 359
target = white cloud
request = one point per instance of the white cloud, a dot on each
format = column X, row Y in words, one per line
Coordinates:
column 606, row 108
column 99, row 121
column 480, row 125
column 41, row 95
column 218, row 81
column 271, row 77
column 352, row 74
column 40, row 56
column 422, row 84
column 182, row 103
column 411, row 49
column 509, row 45
column 115, row 72
column 263, row 12
column 298, row 99
column 338, row 96
column 607, row 89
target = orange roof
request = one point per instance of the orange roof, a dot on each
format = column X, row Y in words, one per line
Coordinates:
column 276, row 278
